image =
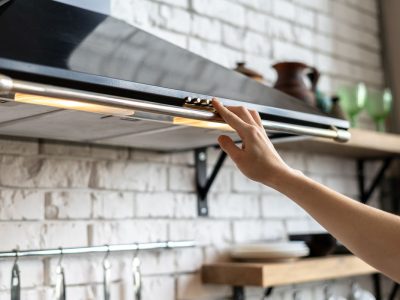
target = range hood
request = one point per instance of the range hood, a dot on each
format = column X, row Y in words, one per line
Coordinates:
column 67, row 73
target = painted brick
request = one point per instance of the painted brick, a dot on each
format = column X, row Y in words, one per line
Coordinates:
column 234, row 205
column 185, row 205
column 76, row 292
column 263, row 64
column 223, row 181
column 113, row 205
column 32, row 273
column 154, row 262
column 224, row 56
column 180, row 3
column 127, row 231
column 159, row 288
column 18, row 146
column 105, row 152
column 304, row 37
column 305, row 17
column 118, row 290
column 343, row 185
column 257, row 230
column 284, row 9
column 232, row 36
column 256, row 43
column 325, row 44
column 68, row 205
column 264, row 6
column 288, row 51
column 243, row 184
column 20, row 235
column 256, row 21
column 138, row 12
column 205, row 232
column 182, row 158
column 175, row 19
column 280, row 207
column 326, row 24
column 190, row 287
column 329, row 165
column 21, row 205
column 224, row 10
column 304, row 225
column 279, row 29
column 60, row 149
column 319, row 5
column 35, row 171
column 166, row 205
column 60, row 234
column 128, row 176
column 181, row 179
column 216, row 254
column 206, row 28
column 148, row 156
column 294, row 159
column 155, row 205
column 77, row 270
column 188, row 260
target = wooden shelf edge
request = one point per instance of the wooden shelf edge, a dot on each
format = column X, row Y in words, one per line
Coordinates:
column 363, row 144
column 283, row 273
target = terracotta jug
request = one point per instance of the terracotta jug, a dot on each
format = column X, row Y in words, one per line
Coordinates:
column 291, row 80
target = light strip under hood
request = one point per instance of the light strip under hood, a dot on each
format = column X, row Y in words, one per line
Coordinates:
column 67, row 98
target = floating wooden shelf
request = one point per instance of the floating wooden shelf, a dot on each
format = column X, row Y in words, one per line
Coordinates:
column 282, row 273
column 363, row 144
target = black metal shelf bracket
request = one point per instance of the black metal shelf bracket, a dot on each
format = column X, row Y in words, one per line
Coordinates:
column 239, row 294
column 365, row 194
column 204, row 183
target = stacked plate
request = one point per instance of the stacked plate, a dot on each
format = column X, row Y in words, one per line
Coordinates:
column 270, row 251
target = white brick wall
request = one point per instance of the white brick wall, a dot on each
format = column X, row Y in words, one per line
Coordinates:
column 54, row 194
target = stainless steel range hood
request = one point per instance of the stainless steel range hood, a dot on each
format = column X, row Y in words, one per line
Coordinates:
column 72, row 74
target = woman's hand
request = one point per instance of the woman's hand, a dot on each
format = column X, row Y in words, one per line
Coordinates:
column 257, row 158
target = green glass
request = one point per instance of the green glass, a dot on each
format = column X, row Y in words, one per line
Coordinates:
column 379, row 104
column 352, row 100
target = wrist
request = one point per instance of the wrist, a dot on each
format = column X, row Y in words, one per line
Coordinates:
column 282, row 178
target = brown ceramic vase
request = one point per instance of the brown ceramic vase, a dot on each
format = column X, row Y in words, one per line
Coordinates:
column 291, row 80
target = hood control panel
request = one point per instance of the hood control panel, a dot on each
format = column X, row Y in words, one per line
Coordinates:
column 199, row 103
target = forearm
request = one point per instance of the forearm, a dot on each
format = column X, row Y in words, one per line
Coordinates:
column 371, row 234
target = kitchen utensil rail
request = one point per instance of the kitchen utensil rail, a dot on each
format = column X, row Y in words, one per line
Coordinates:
column 9, row 86
column 98, row 249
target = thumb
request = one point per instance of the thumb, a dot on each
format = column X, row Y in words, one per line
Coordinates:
column 229, row 147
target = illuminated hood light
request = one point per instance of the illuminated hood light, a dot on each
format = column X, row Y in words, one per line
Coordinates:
column 72, row 104
column 202, row 124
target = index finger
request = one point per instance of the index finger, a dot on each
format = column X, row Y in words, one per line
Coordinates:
column 233, row 120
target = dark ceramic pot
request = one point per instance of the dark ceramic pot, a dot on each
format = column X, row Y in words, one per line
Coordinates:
column 291, row 80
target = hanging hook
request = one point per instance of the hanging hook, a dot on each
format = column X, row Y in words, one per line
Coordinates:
column 15, row 279
column 106, row 274
column 61, row 256
column 60, row 278
column 16, row 256
column 136, row 275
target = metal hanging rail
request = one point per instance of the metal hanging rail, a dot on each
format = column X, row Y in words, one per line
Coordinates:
column 9, row 85
column 98, row 249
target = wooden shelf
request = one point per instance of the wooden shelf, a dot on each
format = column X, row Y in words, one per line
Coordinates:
column 363, row 144
column 283, row 273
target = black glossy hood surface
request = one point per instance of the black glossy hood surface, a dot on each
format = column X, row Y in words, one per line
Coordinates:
column 51, row 42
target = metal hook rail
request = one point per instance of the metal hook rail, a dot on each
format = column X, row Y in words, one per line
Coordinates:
column 98, row 249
